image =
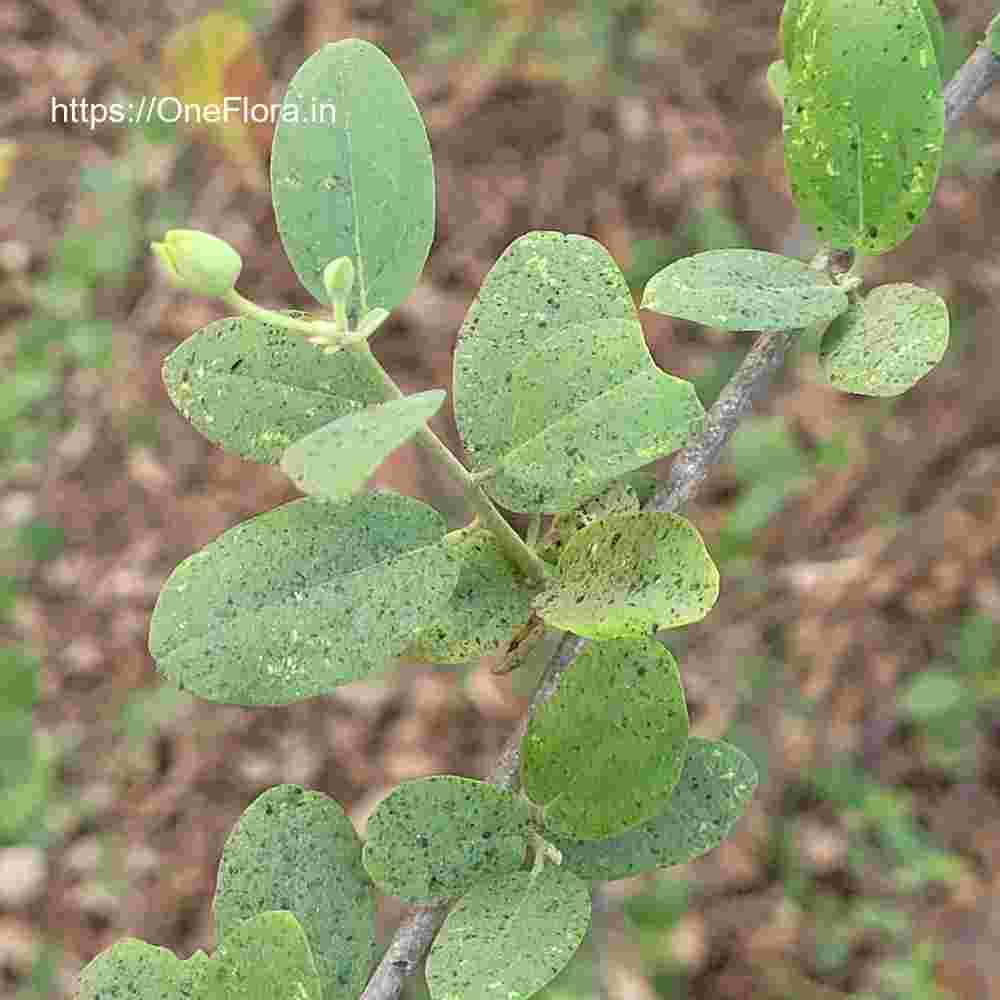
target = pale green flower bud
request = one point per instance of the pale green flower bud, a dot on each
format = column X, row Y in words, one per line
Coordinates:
column 338, row 279
column 198, row 262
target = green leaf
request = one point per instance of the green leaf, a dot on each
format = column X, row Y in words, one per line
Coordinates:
column 777, row 78
column 715, row 786
column 864, row 121
column 362, row 188
column 434, row 838
column 744, row 290
column 489, row 604
column 297, row 601
column 263, row 958
column 605, row 752
column 253, row 389
column 932, row 694
column 134, row 970
column 887, row 342
column 336, row 460
column 555, row 388
column 791, row 16
column 297, row 851
column 932, row 16
column 509, row 937
column 629, row 573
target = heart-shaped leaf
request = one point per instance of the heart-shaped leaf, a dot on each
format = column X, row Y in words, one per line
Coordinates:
column 362, row 187
column 629, row 573
column 436, row 837
column 887, row 342
column 297, row 601
column 864, row 120
column 297, row 851
column 744, row 290
column 560, row 396
column 134, row 970
column 336, row 460
column 509, row 936
column 714, row 788
column 253, row 389
column 605, row 752
column 489, row 604
column 263, row 958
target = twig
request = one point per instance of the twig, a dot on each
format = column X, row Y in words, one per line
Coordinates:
column 691, row 467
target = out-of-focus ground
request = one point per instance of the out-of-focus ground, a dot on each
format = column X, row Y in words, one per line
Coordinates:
column 853, row 652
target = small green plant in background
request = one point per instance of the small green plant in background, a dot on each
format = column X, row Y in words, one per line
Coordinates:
column 559, row 406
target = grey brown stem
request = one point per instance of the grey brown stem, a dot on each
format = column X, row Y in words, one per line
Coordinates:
column 690, row 469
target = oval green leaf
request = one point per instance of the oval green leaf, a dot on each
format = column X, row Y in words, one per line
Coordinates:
column 887, row 342
column 864, row 120
column 712, row 793
column 135, row 970
column 265, row 957
column 605, row 752
column 253, row 389
column 361, row 188
column 744, row 290
column 336, row 460
column 297, row 851
column 509, row 937
column 629, row 573
column 489, row 604
column 297, row 601
column 434, row 838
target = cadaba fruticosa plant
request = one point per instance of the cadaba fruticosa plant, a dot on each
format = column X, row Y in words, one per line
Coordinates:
column 560, row 409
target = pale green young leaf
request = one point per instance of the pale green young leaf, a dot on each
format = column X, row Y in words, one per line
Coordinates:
column 605, row 752
column 744, row 290
column 361, row 188
column 630, row 573
column 712, row 793
column 489, row 604
column 863, row 120
column 887, row 342
column 296, row 850
column 253, row 389
column 509, row 936
column 993, row 36
column 301, row 599
column 134, row 970
column 434, row 838
column 336, row 460
column 265, row 957
column 777, row 79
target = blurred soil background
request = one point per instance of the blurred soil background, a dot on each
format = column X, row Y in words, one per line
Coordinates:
column 853, row 653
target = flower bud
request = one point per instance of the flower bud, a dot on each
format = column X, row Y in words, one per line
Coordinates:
column 338, row 279
column 198, row 262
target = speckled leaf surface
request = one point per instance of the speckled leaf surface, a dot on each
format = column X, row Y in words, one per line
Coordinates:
column 253, row 389
column 744, row 290
column 134, row 970
column 589, row 406
column 265, row 957
column 489, row 604
column 301, row 599
column 629, row 573
column 712, row 793
column 554, row 384
column 789, row 26
column 605, row 752
column 932, row 16
column 863, row 120
column 886, row 342
column 434, row 838
column 361, row 188
column 509, row 937
column 296, row 850
column 543, row 283
column 336, row 460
